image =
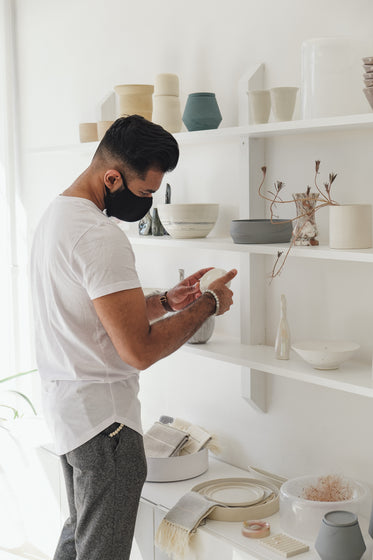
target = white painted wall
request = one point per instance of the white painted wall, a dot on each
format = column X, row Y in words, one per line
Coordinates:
column 70, row 56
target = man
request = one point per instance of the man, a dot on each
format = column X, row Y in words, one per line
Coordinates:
column 95, row 330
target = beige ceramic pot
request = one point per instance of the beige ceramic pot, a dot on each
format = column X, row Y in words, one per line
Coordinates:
column 102, row 127
column 166, row 84
column 135, row 99
column 88, row 132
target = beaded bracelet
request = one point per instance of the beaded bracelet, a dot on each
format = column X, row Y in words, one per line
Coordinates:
column 115, row 432
column 217, row 302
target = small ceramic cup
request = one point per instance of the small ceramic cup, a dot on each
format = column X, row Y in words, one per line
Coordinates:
column 102, row 127
column 88, row 132
column 166, row 84
column 283, row 102
column 260, row 105
column 340, row 537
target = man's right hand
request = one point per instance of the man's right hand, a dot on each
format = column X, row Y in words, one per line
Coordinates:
column 224, row 294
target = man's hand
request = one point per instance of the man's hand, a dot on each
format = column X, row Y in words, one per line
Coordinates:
column 187, row 291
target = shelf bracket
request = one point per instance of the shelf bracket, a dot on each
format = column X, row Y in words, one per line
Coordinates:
column 254, row 388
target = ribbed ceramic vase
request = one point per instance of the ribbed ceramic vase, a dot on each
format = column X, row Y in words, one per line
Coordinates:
column 201, row 111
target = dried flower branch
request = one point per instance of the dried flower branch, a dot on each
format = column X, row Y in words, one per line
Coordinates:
column 330, row 488
column 311, row 201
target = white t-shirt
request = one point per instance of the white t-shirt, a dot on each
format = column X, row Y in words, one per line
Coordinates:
column 79, row 254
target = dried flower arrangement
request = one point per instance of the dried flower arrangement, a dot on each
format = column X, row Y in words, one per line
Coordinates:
column 330, row 488
column 311, row 202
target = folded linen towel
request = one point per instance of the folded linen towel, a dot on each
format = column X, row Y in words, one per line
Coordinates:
column 163, row 440
column 180, row 523
column 199, row 438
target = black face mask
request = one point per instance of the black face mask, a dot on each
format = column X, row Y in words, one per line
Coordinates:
column 125, row 205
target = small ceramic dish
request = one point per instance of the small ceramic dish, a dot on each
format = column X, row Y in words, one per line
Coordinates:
column 368, row 60
column 324, row 354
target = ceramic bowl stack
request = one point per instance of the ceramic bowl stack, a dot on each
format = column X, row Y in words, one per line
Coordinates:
column 166, row 102
column 368, row 79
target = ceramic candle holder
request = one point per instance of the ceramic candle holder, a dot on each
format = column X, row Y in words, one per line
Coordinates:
column 88, row 132
column 340, row 537
column 135, row 99
column 260, row 106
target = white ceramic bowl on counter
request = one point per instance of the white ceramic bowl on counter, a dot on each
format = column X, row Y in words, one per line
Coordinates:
column 186, row 221
column 323, row 354
column 301, row 518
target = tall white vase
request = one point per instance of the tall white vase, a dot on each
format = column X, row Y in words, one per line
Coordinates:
column 331, row 76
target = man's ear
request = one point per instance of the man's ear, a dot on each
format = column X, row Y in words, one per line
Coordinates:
column 113, row 179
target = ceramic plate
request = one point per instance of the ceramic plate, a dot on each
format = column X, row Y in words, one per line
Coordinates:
column 268, row 505
column 236, row 494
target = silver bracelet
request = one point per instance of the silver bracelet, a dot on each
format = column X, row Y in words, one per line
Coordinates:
column 217, row 302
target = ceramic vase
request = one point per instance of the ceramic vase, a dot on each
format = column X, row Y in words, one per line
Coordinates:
column 135, row 99
column 350, row 226
column 201, row 111
column 282, row 344
column 331, row 77
column 167, row 112
column 166, row 84
column 340, row 537
column 305, row 229
column 259, row 105
column 205, row 331
column 283, row 102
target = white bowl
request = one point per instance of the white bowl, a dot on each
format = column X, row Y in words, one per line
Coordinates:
column 210, row 276
column 184, row 221
column 181, row 467
column 301, row 518
column 324, row 354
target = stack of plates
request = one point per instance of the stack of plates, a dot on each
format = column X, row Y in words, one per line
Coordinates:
column 239, row 499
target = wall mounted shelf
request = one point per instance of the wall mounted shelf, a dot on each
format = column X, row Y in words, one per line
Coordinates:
column 271, row 129
column 322, row 252
column 352, row 377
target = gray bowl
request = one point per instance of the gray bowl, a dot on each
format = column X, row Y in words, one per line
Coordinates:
column 261, row 231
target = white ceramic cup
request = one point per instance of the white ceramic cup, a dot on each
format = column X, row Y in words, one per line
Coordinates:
column 88, row 132
column 350, row 226
column 260, row 105
column 283, row 102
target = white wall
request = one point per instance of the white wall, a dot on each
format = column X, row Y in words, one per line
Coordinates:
column 72, row 53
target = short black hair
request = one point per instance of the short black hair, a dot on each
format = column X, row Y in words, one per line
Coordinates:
column 140, row 144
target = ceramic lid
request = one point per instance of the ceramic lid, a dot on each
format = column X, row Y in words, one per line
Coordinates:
column 340, row 518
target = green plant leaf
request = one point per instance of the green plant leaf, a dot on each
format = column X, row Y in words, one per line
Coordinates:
column 26, row 399
column 17, row 375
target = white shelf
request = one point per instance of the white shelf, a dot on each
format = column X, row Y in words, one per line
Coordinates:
column 327, row 124
column 322, row 252
column 352, row 377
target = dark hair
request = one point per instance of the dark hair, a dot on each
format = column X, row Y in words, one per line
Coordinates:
column 140, row 144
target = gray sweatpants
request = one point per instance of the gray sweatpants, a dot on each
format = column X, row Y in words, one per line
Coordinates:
column 103, row 479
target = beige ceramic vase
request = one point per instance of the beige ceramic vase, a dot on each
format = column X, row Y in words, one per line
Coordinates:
column 166, row 102
column 135, row 99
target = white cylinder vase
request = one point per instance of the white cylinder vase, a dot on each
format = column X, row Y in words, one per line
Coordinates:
column 167, row 112
column 350, row 226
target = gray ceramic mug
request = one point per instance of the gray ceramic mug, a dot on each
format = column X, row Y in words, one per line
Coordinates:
column 340, row 537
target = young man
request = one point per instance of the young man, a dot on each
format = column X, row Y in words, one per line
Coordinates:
column 93, row 333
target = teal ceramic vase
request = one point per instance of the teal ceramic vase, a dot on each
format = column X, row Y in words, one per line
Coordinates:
column 201, row 111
